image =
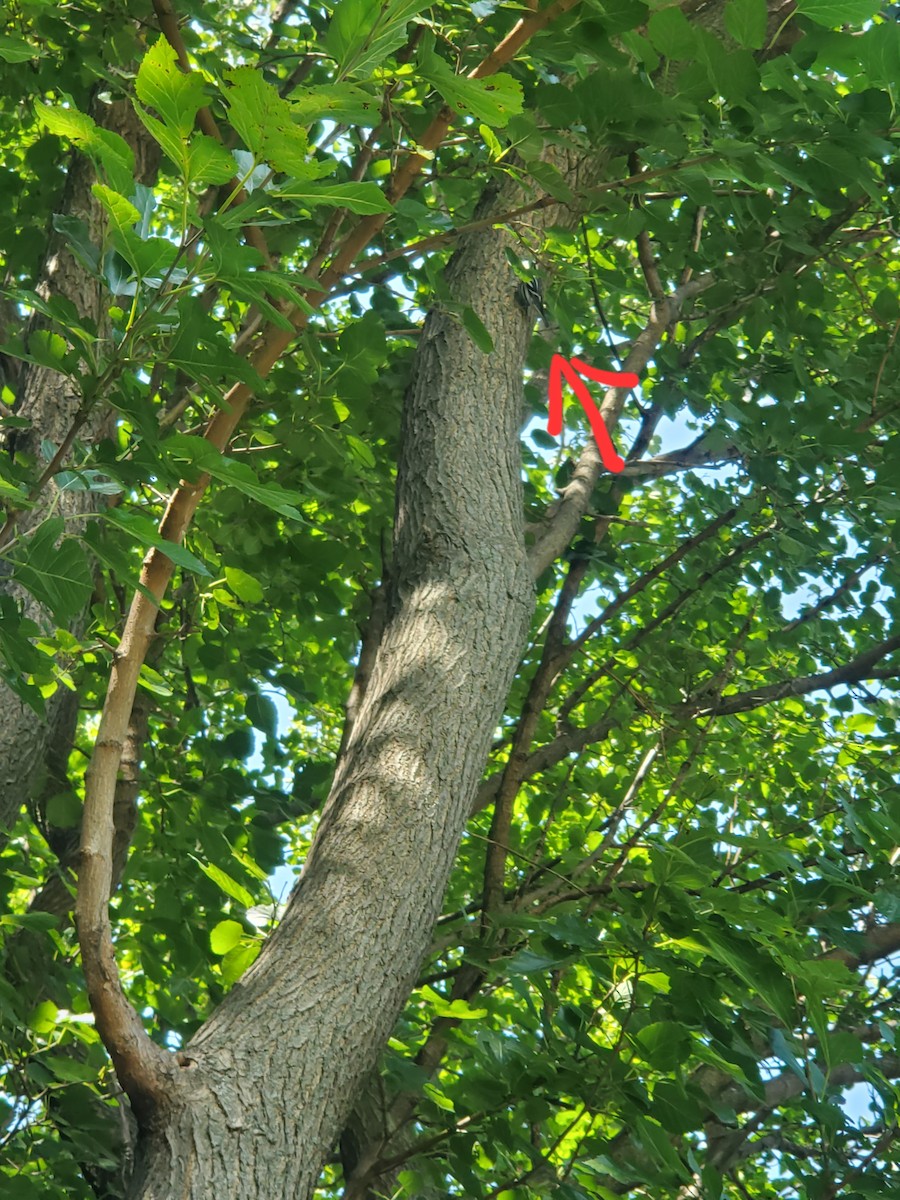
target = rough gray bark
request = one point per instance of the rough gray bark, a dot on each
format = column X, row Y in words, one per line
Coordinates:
column 267, row 1084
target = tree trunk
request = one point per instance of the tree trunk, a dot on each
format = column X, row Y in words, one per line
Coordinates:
column 267, row 1084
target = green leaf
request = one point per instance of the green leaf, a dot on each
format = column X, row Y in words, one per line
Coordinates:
column 199, row 453
column 55, row 571
column 266, row 124
column 262, row 714
column 757, row 971
column 834, row 13
column 40, row 921
column 13, row 50
column 493, row 100
column 746, row 20
column 143, row 530
column 244, row 586
column 153, row 681
column 656, row 1142
column 43, row 1018
column 111, row 152
column 359, row 449
column 461, row 1010
column 64, row 810
column 363, row 198
column 200, row 350
column 551, row 180
column 175, row 94
column 458, row 1010
column 672, row 34
column 225, row 936
column 69, row 1069
column 208, row 161
column 491, row 141
column 664, row 1044
column 879, row 53
column 78, row 239
column 437, row 1097
column 526, row 962
column 123, row 216
column 170, row 140
column 477, row 331
column 363, row 33
column 49, row 350
column 345, row 102
column 236, row 961
column 225, row 883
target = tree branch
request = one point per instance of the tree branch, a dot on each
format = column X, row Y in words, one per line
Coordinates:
column 561, row 523
column 858, row 669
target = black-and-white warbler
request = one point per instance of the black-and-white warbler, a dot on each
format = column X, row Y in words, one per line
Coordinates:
column 530, row 295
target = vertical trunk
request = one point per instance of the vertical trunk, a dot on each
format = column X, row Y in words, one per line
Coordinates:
column 267, row 1084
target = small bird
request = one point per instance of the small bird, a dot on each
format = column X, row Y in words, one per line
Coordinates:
column 530, row 295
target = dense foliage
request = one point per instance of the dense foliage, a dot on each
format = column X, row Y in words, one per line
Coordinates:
column 666, row 949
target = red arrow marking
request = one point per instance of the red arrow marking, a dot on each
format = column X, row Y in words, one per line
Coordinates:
column 560, row 366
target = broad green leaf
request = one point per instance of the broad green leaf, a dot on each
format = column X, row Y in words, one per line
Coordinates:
column 461, row 1010
column 200, row 349
column 672, row 34
column 442, row 1006
column 238, row 959
column 359, row 449
column 363, row 33
column 266, row 124
column 199, row 453
column 262, row 714
column 13, row 50
column 493, row 100
column 123, row 216
column 111, row 152
column 55, row 570
column 70, row 1069
column 170, row 140
column 199, row 159
column 363, row 198
column 551, row 180
column 15, row 493
column 526, row 962
column 208, row 161
column 225, row 936
column 31, row 920
column 491, row 141
column 49, row 350
column 154, row 682
column 664, row 1044
column 832, row 13
column 43, row 1018
column 149, row 256
column 879, row 53
column 176, row 95
column 754, row 967
column 225, row 883
column 656, row 1142
column 746, row 21
column 244, row 586
column 77, row 238
column 64, row 810
column 145, row 533
column 437, row 1097
column 476, row 330
column 336, row 102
